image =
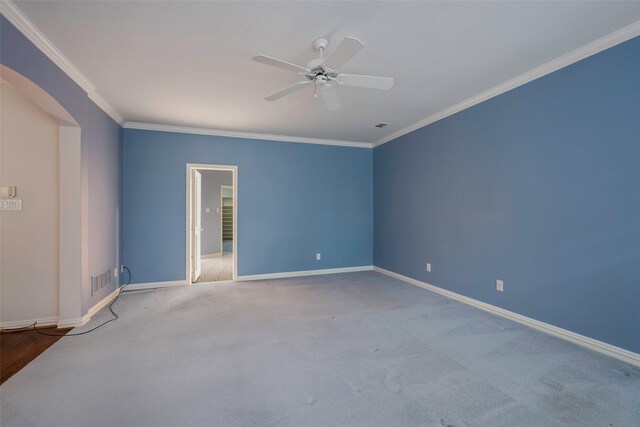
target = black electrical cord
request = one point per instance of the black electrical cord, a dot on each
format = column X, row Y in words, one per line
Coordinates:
column 100, row 325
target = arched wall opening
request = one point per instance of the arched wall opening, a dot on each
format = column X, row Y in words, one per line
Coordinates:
column 43, row 245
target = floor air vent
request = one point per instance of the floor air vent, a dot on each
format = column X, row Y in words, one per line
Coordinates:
column 100, row 281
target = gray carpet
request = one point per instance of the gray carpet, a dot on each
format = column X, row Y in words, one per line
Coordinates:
column 357, row 349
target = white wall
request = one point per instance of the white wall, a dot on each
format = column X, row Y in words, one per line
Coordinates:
column 28, row 238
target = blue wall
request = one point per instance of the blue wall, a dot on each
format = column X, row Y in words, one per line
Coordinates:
column 293, row 200
column 103, row 137
column 539, row 187
column 100, row 145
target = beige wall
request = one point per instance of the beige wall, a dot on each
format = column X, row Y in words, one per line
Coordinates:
column 28, row 238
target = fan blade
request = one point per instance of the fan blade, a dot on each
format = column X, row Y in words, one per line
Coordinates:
column 287, row 91
column 344, row 52
column 372, row 82
column 330, row 98
column 280, row 64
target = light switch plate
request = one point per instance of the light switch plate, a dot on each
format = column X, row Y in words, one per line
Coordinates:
column 11, row 204
column 499, row 285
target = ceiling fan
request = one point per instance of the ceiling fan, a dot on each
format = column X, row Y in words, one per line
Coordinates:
column 322, row 73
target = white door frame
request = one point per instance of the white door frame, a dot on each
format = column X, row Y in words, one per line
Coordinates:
column 234, row 202
column 196, row 224
column 199, row 166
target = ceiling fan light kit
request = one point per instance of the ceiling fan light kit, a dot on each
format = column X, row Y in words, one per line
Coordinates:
column 323, row 72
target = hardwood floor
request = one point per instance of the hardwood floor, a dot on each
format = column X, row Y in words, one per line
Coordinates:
column 19, row 348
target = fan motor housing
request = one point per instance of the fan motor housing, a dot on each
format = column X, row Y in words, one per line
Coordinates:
column 315, row 65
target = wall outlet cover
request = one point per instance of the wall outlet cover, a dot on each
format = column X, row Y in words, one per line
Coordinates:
column 429, row 267
column 499, row 285
column 318, row 257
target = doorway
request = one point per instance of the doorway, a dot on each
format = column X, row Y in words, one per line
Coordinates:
column 49, row 227
column 211, row 223
column 226, row 219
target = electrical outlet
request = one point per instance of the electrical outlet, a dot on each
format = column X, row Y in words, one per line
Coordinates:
column 115, row 272
column 318, row 256
column 429, row 267
column 499, row 285
column 122, row 269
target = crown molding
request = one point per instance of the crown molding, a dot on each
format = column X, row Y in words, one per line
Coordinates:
column 106, row 107
column 596, row 46
column 244, row 135
column 29, row 30
column 35, row 36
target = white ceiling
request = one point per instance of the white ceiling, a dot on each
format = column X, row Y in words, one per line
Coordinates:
column 189, row 63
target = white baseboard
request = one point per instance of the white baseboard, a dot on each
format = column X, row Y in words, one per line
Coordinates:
column 590, row 343
column 19, row 324
column 70, row 323
column 155, row 285
column 305, row 273
column 170, row 284
column 100, row 305
column 73, row 323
